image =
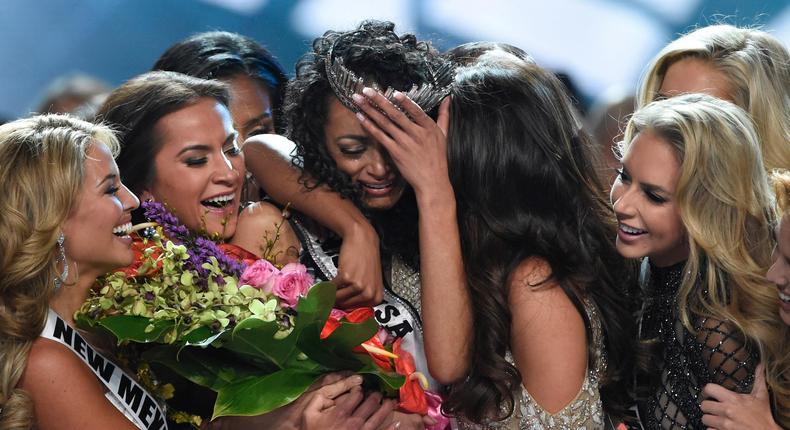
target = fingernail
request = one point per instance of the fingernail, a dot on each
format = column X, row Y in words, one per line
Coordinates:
column 397, row 424
column 398, row 95
column 370, row 92
column 356, row 379
column 360, row 116
column 358, row 99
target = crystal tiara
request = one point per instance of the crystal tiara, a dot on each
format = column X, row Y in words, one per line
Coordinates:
column 427, row 95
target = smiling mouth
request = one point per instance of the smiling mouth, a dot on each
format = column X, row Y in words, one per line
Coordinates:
column 631, row 230
column 380, row 186
column 219, row 202
column 784, row 297
column 122, row 230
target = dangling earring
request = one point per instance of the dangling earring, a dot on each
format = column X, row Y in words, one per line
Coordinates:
column 62, row 259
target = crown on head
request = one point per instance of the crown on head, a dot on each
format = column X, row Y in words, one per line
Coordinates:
column 427, row 95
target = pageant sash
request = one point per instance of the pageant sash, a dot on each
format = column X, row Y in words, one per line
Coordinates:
column 400, row 320
column 395, row 313
column 122, row 391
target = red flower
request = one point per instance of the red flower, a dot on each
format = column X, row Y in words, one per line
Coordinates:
column 383, row 362
column 138, row 247
column 357, row 315
column 412, row 394
column 238, row 253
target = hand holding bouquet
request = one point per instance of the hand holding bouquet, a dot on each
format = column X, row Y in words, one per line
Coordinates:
column 257, row 334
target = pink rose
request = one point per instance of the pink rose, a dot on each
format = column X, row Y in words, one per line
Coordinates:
column 260, row 274
column 293, row 282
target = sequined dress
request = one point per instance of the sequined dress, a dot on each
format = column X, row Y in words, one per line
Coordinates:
column 684, row 361
column 585, row 411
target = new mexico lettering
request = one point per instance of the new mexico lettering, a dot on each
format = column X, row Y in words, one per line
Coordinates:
column 127, row 390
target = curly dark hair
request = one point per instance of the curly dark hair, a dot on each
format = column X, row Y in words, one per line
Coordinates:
column 221, row 55
column 375, row 52
column 523, row 173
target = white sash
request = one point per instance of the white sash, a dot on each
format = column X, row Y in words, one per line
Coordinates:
column 122, row 391
column 397, row 317
column 394, row 313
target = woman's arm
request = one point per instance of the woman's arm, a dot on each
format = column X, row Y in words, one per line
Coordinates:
column 548, row 337
column 419, row 149
column 65, row 393
column 262, row 229
column 359, row 277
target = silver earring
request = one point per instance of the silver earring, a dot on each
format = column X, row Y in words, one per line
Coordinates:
column 62, row 259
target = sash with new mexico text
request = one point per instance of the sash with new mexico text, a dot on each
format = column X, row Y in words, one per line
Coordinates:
column 123, row 392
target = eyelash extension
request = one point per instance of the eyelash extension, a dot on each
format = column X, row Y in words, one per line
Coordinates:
column 113, row 190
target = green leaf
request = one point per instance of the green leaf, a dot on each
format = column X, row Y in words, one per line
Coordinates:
column 316, row 306
column 390, row 382
column 127, row 327
column 201, row 336
column 259, row 395
column 255, row 337
column 209, row 367
column 335, row 352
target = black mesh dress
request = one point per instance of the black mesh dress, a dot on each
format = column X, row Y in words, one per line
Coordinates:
column 683, row 361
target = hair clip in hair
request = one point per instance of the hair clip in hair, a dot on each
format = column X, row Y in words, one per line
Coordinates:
column 427, row 95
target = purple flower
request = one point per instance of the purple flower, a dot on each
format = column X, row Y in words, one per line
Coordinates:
column 200, row 248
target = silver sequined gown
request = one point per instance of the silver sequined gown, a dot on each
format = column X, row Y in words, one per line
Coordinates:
column 584, row 412
column 685, row 361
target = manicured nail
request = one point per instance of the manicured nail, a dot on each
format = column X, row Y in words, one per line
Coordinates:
column 370, row 92
column 360, row 116
column 398, row 95
column 358, row 99
column 356, row 379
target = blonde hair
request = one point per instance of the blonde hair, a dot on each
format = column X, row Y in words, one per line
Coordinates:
column 42, row 162
column 726, row 206
column 781, row 183
column 757, row 68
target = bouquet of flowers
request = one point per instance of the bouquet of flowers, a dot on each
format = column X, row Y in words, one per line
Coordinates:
column 257, row 334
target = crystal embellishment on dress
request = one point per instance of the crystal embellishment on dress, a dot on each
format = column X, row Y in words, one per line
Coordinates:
column 585, row 411
column 406, row 283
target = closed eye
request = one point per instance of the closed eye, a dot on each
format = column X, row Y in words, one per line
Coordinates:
column 654, row 197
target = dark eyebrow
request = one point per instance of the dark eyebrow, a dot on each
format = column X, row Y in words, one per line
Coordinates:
column 194, row 148
column 358, row 137
column 257, row 119
column 110, row 177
